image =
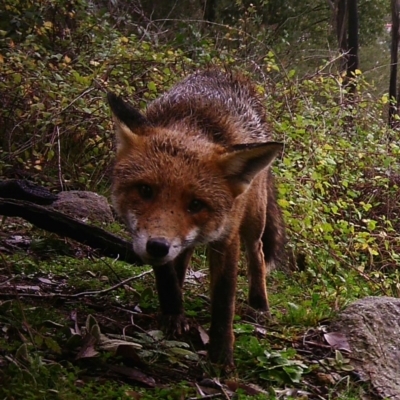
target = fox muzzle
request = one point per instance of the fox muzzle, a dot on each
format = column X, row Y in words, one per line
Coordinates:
column 158, row 247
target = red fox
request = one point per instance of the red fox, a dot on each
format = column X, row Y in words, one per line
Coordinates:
column 194, row 170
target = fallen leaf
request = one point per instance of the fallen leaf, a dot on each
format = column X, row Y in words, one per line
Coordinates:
column 249, row 389
column 133, row 374
column 87, row 350
column 196, row 274
column 47, row 281
column 261, row 331
column 112, row 345
column 130, row 356
column 205, row 339
column 327, row 379
column 74, row 317
column 22, row 353
column 337, row 341
column 92, row 327
column 74, row 341
column 206, row 391
column 189, row 355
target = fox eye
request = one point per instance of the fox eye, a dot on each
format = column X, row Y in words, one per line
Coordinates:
column 145, row 192
column 196, row 206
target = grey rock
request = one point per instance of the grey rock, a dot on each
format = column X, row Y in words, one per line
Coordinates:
column 86, row 206
column 372, row 328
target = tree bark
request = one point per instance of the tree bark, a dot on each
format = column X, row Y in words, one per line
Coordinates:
column 341, row 14
column 393, row 108
column 352, row 44
column 209, row 10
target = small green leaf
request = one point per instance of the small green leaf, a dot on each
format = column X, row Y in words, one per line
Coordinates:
column 152, row 86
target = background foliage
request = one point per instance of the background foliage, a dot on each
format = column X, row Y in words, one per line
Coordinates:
column 339, row 172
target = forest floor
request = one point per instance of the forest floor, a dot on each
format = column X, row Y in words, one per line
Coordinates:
column 77, row 326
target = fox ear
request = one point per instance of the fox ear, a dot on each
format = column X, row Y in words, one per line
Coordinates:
column 125, row 113
column 245, row 161
column 128, row 121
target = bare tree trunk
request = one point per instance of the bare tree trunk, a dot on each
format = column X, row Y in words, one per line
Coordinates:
column 347, row 37
column 394, row 99
column 341, row 17
column 208, row 10
column 352, row 43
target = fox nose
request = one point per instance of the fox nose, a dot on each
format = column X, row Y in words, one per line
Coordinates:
column 157, row 247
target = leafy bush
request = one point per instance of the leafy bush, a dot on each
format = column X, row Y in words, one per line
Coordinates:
column 54, row 75
column 338, row 180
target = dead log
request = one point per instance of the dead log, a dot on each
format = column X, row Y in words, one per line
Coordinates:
column 54, row 221
column 21, row 189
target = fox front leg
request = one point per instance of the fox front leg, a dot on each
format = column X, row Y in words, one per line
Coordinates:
column 223, row 270
column 169, row 281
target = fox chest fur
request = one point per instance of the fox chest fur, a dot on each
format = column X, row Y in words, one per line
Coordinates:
column 194, row 169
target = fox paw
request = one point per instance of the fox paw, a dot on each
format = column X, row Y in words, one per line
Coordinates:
column 221, row 355
column 259, row 302
column 174, row 325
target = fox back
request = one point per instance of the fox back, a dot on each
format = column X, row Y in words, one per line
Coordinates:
column 194, row 169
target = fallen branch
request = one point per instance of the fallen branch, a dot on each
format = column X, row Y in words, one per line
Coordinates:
column 54, row 221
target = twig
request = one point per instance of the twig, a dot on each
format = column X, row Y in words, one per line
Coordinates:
column 8, row 280
column 116, row 286
column 77, row 295
column 77, row 98
column 110, row 267
column 59, row 158
column 208, row 396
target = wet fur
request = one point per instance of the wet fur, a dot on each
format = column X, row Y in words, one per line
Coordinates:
column 206, row 139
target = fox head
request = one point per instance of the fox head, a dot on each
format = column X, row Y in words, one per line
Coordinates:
column 175, row 189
